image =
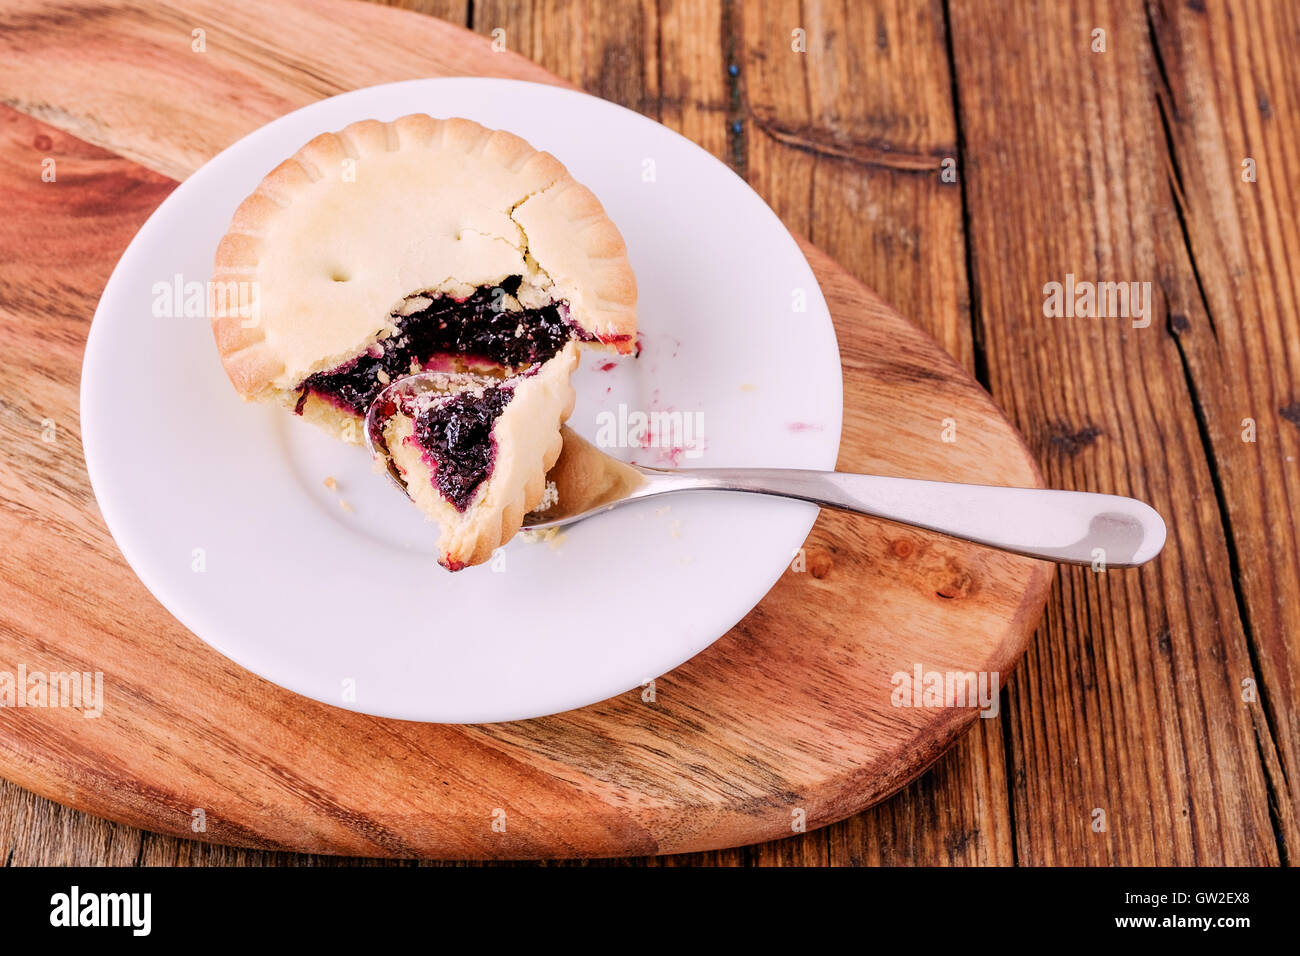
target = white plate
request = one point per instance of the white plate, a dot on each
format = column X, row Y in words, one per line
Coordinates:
column 221, row 508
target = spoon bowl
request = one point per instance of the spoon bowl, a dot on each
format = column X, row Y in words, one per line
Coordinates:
column 385, row 405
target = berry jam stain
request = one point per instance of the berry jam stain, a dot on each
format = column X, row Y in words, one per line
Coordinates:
column 455, row 438
column 475, row 327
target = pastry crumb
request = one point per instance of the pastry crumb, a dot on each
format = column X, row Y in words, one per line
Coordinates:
column 415, row 304
column 664, row 510
column 552, row 536
column 382, row 377
column 331, row 482
column 346, row 505
column 676, row 528
column 550, row 497
column 748, row 388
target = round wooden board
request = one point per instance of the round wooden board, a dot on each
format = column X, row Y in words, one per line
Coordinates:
column 787, row 716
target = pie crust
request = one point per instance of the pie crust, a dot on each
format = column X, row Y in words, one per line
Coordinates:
column 338, row 237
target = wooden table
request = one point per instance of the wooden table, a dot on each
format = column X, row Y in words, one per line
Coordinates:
column 958, row 157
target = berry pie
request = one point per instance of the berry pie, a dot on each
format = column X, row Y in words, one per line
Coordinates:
column 424, row 244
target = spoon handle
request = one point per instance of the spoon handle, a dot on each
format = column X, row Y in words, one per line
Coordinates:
column 1072, row 527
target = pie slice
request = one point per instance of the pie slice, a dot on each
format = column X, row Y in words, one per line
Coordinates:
column 474, row 450
column 390, row 248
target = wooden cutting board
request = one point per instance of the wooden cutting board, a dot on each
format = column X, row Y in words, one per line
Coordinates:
column 785, row 722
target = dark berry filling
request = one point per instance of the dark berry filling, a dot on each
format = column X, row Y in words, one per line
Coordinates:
column 456, row 438
column 478, row 327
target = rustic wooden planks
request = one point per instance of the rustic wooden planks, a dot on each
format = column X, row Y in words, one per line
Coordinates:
column 1131, row 700
column 1226, row 87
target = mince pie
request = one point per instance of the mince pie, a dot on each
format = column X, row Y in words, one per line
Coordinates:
column 391, row 248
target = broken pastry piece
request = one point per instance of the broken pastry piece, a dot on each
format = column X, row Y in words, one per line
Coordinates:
column 473, row 450
column 391, row 248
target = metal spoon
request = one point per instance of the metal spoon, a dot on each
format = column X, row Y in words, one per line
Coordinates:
column 1071, row 527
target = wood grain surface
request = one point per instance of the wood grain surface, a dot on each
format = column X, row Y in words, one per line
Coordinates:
column 1154, row 720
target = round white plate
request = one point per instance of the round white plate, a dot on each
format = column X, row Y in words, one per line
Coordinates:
column 221, row 507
